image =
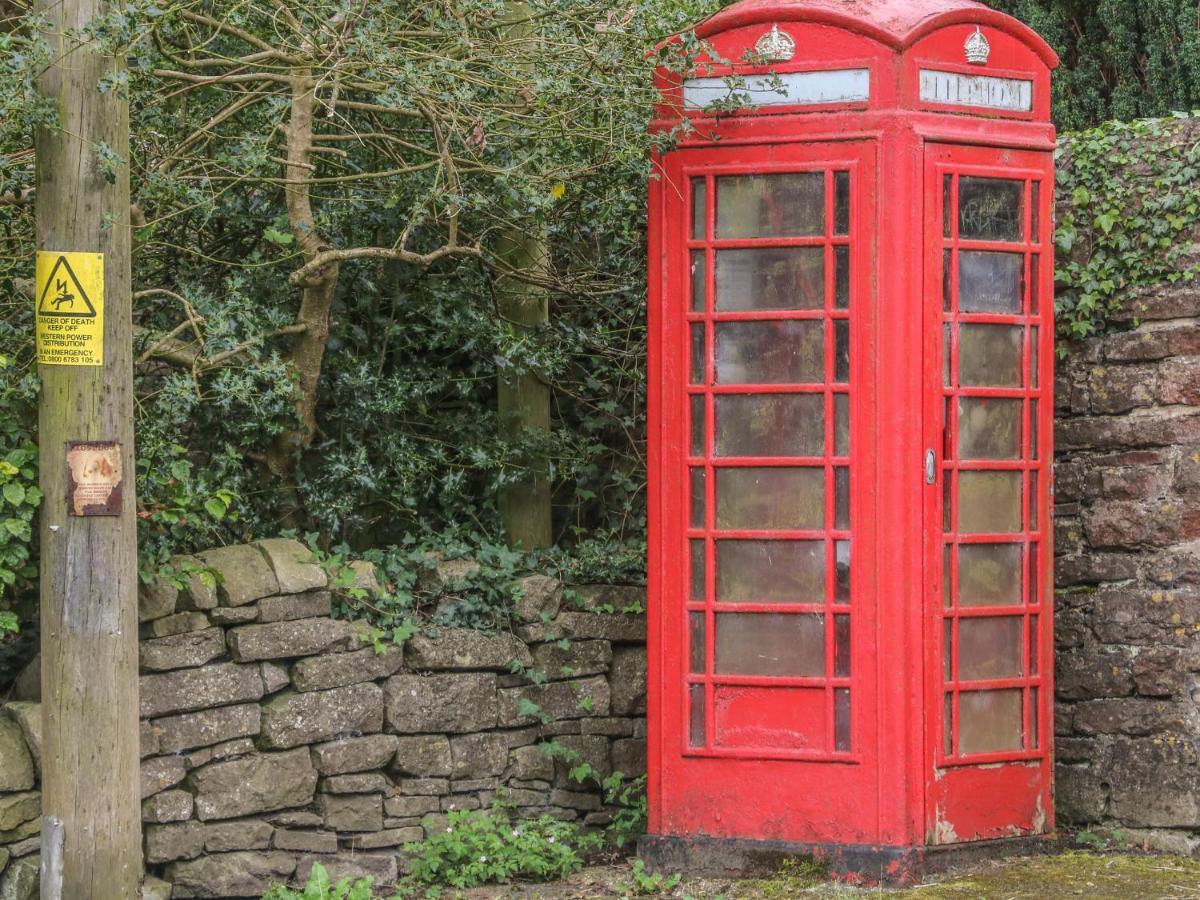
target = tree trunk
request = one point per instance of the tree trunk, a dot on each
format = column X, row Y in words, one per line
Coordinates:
column 90, row 754
column 523, row 400
column 307, row 355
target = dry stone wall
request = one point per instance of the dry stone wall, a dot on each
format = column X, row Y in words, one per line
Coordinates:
column 274, row 736
column 1128, row 545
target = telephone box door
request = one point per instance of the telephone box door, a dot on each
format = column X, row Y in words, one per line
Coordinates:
column 989, row 418
column 768, row 622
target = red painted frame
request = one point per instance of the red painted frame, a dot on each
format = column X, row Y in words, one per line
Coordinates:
column 894, row 788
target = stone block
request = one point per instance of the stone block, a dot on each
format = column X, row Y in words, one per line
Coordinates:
column 440, row 703
column 1130, row 715
column 182, row 651
column 351, row 812
column 305, row 841
column 161, row 772
column 207, row 727
column 180, row 623
column 578, row 658
column 1092, row 672
column 539, row 598
column 275, row 677
column 319, row 673
column 295, row 818
column 281, row 640
column 365, row 577
column 357, row 783
column 478, row 755
column 169, row 806
column 20, row 833
column 291, row 719
column 530, row 764
column 200, row 585
column 16, row 809
column 612, row 727
column 356, row 754
column 147, row 739
column 557, row 700
column 177, row 840
column 254, row 784
column 28, row 717
column 598, row 598
column 389, row 837
column 380, row 867
column 289, row 607
column 423, row 787
column 1161, row 672
column 233, row 615
column 423, row 756
column 629, row 756
column 156, row 600
column 628, row 681
column 237, row 834
column 1155, row 783
column 295, row 567
column 154, row 889
column 410, row 807
column 464, row 649
column 244, row 873
column 590, row 749
column 20, row 880
column 217, row 752
column 580, row 800
column 585, row 626
column 191, row 689
column 244, row 575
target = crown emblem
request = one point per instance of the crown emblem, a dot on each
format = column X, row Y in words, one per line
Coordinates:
column 978, row 49
column 775, row 46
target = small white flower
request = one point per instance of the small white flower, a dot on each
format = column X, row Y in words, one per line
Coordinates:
column 449, row 831
column 451, row 807
column 516, row 833
column 483, row 859
column 550, row 839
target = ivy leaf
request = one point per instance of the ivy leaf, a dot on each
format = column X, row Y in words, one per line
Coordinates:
column 14, row 494
column 216, row 507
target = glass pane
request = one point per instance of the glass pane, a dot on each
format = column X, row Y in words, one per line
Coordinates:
column 948, row 501
column 699, row 282
column 770, row 571
column 841, row 357
column 1034, row 449
column 841, row 203
column 841, row 646
column 989, row 502
column 989, row 722
column 948, row 649
column 788, row 205
column 696, row 642
column 947, row 358
column 989, row 428
column 771, row 425
column 841, row 424
column 698, row 498
column 991, row 209
column 788, row 352
column 989, row 575
column 947, row 205
column 697, row 404
column 948, row 576
column 777, row 644
column 699, row 209
column 841, row 281
column 991, row 282
column 1035, row 576
column 1033, row 501
column 1034, row 375
column 696, row 727
column 699, row 568
column 1033, row 645
column 948, row 725
column 1033, row 718
column 841, row 499
column 841, row 720
column 841, row 580
column 990, row 648
column 989, row 356
column 947, row 280
column 771, row 499
column 1035, row 285
column 770, row 278
column 1036, row 213
column 698, row 354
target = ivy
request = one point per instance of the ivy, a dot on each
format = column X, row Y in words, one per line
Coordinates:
column 1128, row 199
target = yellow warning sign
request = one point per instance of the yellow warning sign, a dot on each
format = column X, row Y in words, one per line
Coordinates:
column 70, row 308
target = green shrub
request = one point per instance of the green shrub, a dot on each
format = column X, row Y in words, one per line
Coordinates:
column 319, row 887
column 482, row 847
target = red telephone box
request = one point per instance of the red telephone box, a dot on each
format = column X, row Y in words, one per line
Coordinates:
column 851, row 356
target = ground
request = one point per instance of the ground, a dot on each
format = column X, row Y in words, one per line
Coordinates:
column 1096, row 876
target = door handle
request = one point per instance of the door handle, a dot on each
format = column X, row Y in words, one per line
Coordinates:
column 930, row 467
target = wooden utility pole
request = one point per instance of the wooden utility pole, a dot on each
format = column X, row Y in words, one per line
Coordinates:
column 523, row 399
column 90, row 758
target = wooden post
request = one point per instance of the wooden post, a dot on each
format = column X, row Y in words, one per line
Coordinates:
column 90, row 758
column 523, row 400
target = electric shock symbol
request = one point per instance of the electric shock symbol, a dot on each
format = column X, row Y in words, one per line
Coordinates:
column 63, row 295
